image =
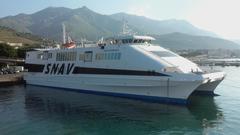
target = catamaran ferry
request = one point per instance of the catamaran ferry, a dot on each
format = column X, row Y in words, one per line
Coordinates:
column 125, row 66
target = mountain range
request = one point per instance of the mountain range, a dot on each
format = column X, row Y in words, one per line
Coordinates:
column 150, row 26
column 180, row 41
column 85, row 23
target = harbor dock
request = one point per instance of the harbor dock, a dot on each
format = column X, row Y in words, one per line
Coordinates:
column 11, row 79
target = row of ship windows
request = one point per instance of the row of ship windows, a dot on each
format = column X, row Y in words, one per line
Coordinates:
column 108, row 56
column 127, row 41
column 66, row 56
column 87, row 56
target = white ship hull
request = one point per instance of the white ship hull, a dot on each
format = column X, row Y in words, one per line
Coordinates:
column 147, row 88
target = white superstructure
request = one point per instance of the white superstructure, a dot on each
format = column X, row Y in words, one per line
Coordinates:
column 125, row 66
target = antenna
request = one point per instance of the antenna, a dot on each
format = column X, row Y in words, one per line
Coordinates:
column 64, row 33
column 126, row 30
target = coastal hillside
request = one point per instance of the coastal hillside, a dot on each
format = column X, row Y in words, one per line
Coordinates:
column 10, row 35
column 80, row 23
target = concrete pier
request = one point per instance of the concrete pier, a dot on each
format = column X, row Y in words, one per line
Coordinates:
column 11, row 79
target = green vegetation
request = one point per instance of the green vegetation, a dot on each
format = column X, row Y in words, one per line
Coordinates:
column 21, row 52
column 7, row 51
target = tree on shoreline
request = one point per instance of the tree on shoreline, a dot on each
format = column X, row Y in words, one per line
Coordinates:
column 7, row 51
column 10, row 52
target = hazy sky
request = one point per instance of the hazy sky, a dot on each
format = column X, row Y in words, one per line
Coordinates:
column 219, row 16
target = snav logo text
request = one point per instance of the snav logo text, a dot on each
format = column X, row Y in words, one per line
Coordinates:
column 58, row 69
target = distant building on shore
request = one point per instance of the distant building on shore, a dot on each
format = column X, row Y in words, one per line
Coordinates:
column 15, row 45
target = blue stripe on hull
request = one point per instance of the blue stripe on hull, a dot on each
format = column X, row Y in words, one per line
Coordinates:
column 153, row 99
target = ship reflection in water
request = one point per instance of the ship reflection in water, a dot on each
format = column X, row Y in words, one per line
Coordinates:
column 72, row 112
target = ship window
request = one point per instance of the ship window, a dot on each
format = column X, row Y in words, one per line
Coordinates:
column 64, row 56
column 60, row 57
column 127, row 41
column 88, row 56
column 45, row 55
column 97, row 56
column 109, row 56
column 40, row 56
column 49, row 55
column 72, row 56
column 81, row 57
column 117, row 41
column 130, row 40
column 164, row 54
column 118, row 56
column 115, row 56
column 112, row 57
column 57, row 57
column 67, row 56
column 105, row 56
column 147, row 41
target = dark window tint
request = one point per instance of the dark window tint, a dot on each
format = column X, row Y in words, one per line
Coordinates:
column 164, row 54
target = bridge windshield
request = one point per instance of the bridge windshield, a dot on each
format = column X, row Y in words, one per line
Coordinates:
column 127, row 41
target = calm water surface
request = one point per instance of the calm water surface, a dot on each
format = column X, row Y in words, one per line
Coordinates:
column 33, row 110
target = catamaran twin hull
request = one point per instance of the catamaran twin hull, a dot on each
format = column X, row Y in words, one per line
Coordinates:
column 152, row 88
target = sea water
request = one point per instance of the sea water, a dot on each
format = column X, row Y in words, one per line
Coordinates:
column 33, row 110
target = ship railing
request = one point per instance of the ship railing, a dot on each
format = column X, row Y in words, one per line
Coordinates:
column 86, row 45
